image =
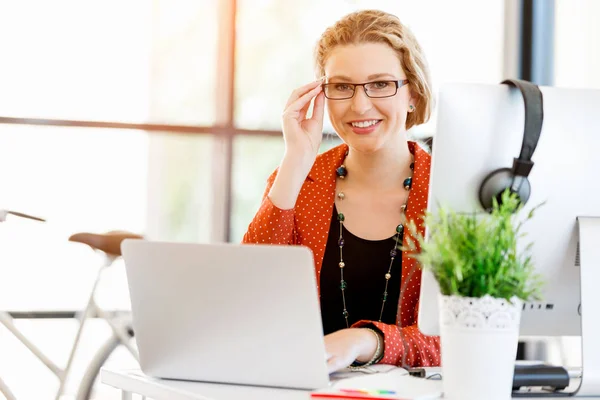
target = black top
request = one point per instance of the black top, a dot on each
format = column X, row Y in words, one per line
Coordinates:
column 367, row 262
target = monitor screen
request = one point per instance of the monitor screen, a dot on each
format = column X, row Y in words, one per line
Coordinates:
column 480, row 129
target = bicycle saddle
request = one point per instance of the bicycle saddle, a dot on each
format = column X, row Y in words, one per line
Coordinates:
column 109, row 242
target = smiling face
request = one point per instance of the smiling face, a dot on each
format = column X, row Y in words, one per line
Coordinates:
column 367, row 124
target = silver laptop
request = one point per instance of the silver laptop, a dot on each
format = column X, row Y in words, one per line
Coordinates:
column 227, row 313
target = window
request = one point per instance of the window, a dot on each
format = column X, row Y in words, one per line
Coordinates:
column 183, row 62
column 577, row 55
column 180, row 193
column 133, row 61
column 76, row 178
column 254, row 159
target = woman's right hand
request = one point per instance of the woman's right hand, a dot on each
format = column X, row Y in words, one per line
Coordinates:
column 303, row 135
column 302, row 140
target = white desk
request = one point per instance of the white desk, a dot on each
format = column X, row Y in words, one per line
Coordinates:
column 135, row 382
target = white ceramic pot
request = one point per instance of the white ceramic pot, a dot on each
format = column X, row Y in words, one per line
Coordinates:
column 479, row 338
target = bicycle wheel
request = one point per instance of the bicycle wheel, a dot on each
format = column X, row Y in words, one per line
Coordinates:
column 91, row 377
column 5, row 391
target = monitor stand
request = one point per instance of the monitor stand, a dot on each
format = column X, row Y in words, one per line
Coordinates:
column 589, row 250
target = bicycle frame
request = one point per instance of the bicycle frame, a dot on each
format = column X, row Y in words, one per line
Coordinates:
column 92, row 310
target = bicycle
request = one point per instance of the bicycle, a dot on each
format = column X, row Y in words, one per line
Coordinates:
column 108, row 245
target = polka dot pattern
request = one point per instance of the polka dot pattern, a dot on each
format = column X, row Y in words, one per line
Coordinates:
column 308, row 224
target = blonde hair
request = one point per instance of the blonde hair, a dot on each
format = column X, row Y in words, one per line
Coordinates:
column 374, row 26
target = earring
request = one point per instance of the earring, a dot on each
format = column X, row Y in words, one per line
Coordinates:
column 411, row 107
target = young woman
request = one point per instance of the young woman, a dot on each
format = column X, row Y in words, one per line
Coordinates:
column 349, row 205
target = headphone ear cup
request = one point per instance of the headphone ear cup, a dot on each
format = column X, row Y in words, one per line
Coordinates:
column 497, row 181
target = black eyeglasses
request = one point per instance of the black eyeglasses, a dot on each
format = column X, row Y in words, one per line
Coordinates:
column 376, row 90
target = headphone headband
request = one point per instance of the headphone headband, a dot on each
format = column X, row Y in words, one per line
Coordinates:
column 515, row 178
column 534, row 117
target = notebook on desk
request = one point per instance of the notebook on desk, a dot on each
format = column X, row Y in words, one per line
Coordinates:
column 227, row 313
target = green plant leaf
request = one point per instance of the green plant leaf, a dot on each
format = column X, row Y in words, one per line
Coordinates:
column 474, row 254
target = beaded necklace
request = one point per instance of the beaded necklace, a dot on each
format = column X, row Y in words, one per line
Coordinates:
column 341, row 173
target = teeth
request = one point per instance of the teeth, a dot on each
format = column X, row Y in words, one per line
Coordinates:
column 364, row 124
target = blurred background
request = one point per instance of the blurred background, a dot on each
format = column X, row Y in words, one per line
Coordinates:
column 163, row 118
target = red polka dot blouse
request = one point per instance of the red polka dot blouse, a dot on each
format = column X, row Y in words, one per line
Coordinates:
column 308, row 224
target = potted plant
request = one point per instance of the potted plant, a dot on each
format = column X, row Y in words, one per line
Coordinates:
column 484, row 275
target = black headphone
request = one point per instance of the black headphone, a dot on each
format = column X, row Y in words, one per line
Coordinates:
column 515, row 178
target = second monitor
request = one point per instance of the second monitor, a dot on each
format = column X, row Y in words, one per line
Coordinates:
column 480, row 129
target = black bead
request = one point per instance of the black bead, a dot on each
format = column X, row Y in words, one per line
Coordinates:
column 407, row 183
column 393, row 253
column 343, row 285
column 400, row 229
column 345, row 314
column 341, row 171
column 412, row 165
column 341, row 242
column 340, row 217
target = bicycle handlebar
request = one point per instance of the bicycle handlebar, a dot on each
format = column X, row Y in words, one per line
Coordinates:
column 5, row 213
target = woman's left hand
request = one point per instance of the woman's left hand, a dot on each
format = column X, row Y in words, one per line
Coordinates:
column 348, row 345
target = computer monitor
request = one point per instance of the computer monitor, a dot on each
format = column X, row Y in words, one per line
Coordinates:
column 479, row 129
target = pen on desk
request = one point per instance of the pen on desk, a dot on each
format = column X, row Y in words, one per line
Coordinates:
column 368, row 392
column 354, row 395
column 346, row 396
